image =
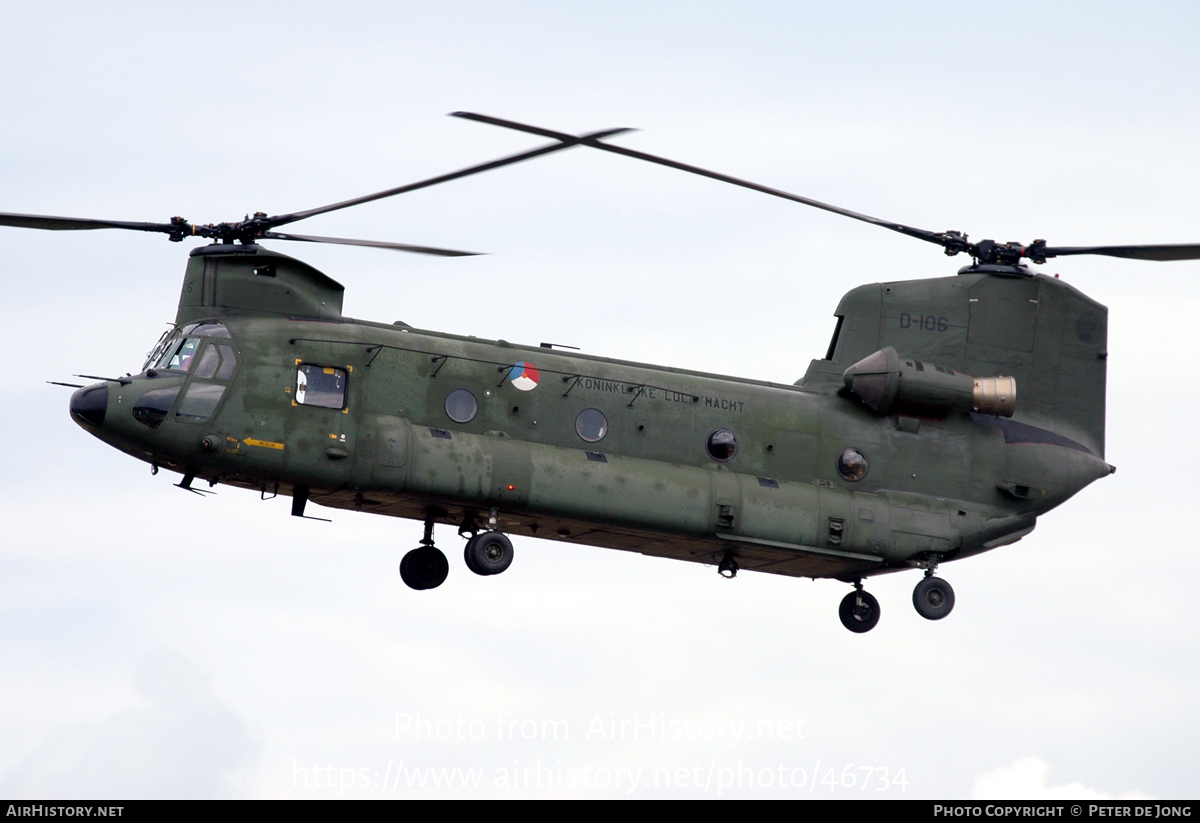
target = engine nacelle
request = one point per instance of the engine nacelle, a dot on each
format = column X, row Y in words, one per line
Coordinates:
column 883, row 381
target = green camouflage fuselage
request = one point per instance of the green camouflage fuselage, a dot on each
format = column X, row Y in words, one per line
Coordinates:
column 941, row 484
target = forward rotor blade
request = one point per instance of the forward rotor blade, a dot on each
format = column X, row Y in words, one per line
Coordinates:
column 572, row 139
column 1189, row 251
column 284, row 219
column 342, row 241
column 43, row 221
column 593, row 140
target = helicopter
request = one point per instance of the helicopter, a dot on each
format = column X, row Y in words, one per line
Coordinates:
column 946, row 416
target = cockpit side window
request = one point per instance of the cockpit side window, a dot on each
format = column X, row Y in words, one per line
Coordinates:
column 179, row 357
column 200, row 401
column 219, row 365
column 208, row 362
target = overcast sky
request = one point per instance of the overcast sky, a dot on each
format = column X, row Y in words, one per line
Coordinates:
column 156, row 643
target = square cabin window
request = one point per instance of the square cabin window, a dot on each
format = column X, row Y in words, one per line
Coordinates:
column 323, row 386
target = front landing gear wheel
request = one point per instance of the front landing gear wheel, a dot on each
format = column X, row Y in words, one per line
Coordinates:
column 424, row 568
column 859, row 611
column 488, row 553
column 933, row 598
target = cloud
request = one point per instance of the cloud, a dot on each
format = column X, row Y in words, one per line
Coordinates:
column 1026, row 780
column 186, row 744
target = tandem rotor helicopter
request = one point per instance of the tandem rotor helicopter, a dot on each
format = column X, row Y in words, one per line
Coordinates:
column 947, row 415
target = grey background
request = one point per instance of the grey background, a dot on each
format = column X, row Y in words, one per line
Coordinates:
column 160, row 644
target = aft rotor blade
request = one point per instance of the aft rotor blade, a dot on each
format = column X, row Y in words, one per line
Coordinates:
column 1189, row 251
column 309, row 238
column 568, row 142
column 593, row 140
column 43, row 221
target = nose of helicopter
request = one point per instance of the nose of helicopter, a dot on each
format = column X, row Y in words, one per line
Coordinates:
column 88, row 406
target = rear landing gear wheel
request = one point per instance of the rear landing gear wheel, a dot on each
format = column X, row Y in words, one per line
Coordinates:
column 488, row 553
column 859, row 611
column 424, row 568
column 933, row 598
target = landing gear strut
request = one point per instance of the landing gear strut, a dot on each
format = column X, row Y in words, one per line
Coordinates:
column 424, row 567
column 859, row 610
column 728, row 567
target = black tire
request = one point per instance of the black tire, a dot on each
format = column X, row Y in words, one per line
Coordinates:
column 424, row 568
column 859, row 611
column 489, row 553
column 469, row 555
column 933, row 598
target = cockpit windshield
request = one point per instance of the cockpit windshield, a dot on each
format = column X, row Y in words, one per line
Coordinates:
column 168, row 337
column 177, row 347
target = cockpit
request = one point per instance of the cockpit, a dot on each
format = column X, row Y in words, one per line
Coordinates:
column 205, row 351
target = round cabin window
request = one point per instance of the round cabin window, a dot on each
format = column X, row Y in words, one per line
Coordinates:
column 591, row 425
column 461, row 406
column 852, row 465
column 721, row 445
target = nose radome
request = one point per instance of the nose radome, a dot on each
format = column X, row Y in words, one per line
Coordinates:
column 89, row 404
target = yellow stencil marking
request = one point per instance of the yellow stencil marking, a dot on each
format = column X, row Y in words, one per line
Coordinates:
column 265, row 444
